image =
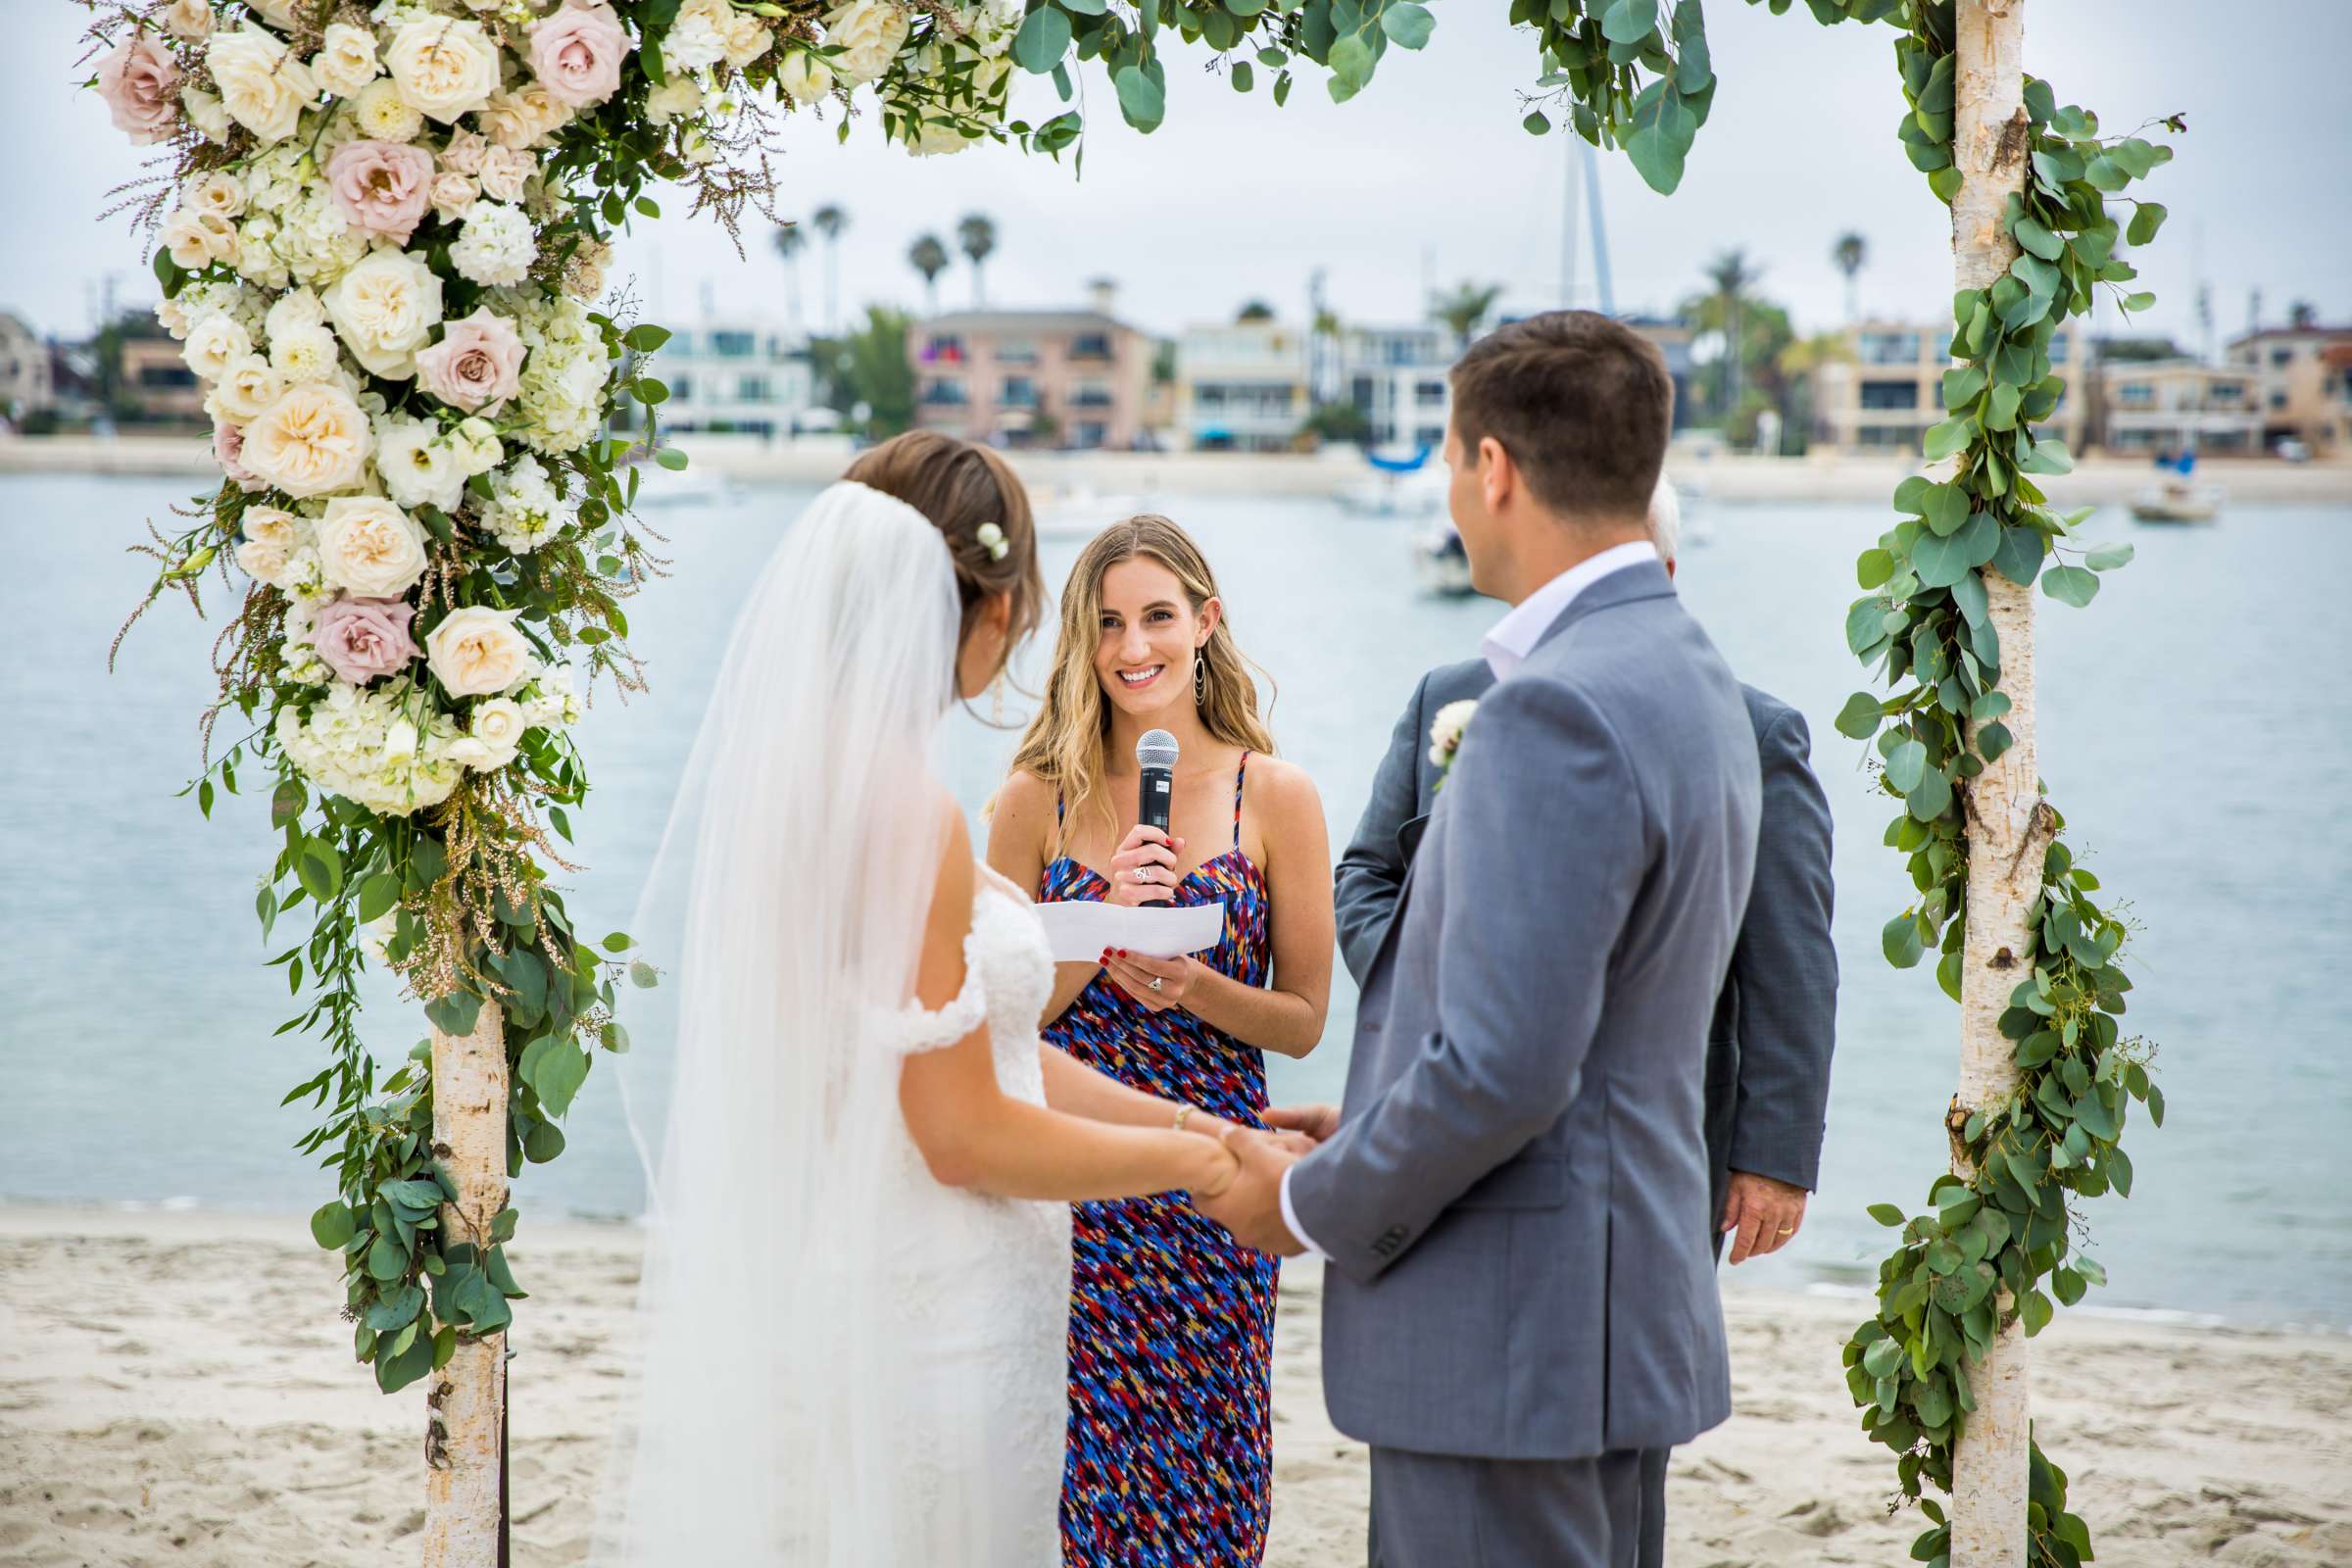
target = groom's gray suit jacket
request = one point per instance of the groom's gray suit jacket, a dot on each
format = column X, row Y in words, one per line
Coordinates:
column 1515, row 1203
column 1776, row 1020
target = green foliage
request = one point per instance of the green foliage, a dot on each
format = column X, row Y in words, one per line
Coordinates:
column 2005, row 1233
column 868, row 367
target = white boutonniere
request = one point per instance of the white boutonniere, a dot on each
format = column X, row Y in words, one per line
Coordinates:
column 1446, row 734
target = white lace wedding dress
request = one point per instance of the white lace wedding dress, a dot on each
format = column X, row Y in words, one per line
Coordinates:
column 985, row 1285
column 844, row 1364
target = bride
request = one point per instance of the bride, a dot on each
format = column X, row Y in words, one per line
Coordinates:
column 856, row 1278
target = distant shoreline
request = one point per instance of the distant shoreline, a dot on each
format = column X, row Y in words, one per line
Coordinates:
column 1845, row 478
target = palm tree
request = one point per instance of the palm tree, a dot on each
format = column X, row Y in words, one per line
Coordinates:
column 929, row 257
column 1732, row 277
column 830, row 220
column 1254, row 312
column 977, row 234
column 789, row 239
column 1850, row 253
column 1465, row 308
column 2302, row 315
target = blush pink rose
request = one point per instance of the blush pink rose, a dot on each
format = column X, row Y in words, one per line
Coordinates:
column 382, row 188
column 364, row 638
column 140, row 84
column 576, row 53
column 228, row 451
column 476, row 364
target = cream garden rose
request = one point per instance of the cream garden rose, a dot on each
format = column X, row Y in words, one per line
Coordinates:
column 498, row 726
column 369, row 548
column 804, row 77
column 444, row 67
column 477, row 652
column 869, row 33
column 262, row 86
column 385, row 310
column 249, row 385
column 312, row 441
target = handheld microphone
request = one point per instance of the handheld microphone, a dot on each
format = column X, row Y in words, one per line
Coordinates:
column 1155, row 755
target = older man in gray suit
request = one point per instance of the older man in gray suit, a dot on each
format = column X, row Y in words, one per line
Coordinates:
column 1513, row 1201
column 1775, row 1024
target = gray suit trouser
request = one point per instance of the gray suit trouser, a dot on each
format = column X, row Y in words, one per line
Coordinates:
column 1435, row 1510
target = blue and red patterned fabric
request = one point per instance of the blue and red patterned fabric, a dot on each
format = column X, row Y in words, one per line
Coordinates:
column 1170, row 1460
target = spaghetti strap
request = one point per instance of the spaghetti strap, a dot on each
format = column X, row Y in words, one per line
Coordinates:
column 1239, row 774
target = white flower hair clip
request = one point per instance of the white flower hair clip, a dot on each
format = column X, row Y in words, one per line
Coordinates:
column 991, row 539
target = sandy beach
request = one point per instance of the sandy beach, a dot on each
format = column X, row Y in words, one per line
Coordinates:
column 176, row 1388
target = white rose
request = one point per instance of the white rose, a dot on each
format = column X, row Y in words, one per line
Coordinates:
column 504, row 172
column 383, row 115
column 870, row 34
column 264, row 561
column 277, row 526
column 206, row 113
column 214, row 344
column 697, row 39
column 681, row 94
column 217, row 193
column 476, row 445
column 418, row 466
column 385, row 310
column 496, row 245
column 173, row 317
column 744, row 38
column 188, row 18
column 312, row 442
column 1447, row 729
column 451, row 194
column 477, row 652
column 369, row 548
column 804, row 77
column 443, row 68
column 346, row 62
column 246, row 387
column 262, row 86
column 497, row 724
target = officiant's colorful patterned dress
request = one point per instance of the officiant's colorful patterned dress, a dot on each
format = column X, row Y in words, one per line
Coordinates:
column 1171, row 1322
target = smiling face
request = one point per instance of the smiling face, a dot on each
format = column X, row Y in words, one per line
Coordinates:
column 1150, row 637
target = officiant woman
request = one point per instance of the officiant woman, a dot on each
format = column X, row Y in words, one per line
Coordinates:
column 1171, row 1322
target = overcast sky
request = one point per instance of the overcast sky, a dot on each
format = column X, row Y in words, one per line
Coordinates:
column 1429, row 173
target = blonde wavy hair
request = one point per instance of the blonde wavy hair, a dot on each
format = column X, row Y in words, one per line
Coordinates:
column 1064, row 743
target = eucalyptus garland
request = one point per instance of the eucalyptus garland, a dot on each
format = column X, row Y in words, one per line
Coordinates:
column 1924, row 627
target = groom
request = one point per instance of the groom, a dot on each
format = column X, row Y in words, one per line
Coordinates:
column 1513, row 1201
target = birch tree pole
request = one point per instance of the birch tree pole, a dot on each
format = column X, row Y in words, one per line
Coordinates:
column 467, row 1404
column 1989, row 143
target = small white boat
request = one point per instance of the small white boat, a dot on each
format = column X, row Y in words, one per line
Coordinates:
column 2175, row 502
column 1442, row 566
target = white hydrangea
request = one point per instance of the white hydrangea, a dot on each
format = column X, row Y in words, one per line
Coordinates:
column 526, row 511
column 277, row 177
column 315, row 243
column 496, row 245
column 387, row 749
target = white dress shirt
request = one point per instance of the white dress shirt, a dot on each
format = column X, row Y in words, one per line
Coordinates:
column 1506, row 648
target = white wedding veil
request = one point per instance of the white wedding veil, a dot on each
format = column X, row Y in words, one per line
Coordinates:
column 790, row 892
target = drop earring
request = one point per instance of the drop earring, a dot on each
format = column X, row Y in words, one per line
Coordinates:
column 1199, row 677
column 996, row 701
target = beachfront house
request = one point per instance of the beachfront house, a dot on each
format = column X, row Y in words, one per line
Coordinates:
column 1074, row 379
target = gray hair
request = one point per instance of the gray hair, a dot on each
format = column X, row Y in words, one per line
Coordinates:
column 1665, row 519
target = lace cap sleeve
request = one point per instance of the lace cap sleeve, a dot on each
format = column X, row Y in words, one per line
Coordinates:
column 915, row 1027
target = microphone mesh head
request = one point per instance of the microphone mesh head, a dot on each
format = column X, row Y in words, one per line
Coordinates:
column 1157, row 748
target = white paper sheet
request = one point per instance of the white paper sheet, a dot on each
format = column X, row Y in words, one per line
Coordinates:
column 1079, row 930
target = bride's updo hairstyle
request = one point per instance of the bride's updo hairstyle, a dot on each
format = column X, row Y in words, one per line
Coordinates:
column 973, row 498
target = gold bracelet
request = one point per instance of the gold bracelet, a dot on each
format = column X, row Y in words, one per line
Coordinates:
column 1181, row 1111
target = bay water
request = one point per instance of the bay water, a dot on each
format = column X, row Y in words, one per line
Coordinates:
column 2195, row 730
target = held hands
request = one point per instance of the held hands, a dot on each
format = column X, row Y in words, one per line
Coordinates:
column 1144, row 871
column 1766, row 1213
column 1250, row 1208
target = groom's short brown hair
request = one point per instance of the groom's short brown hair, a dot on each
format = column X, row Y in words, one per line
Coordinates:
column 1583, row 404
